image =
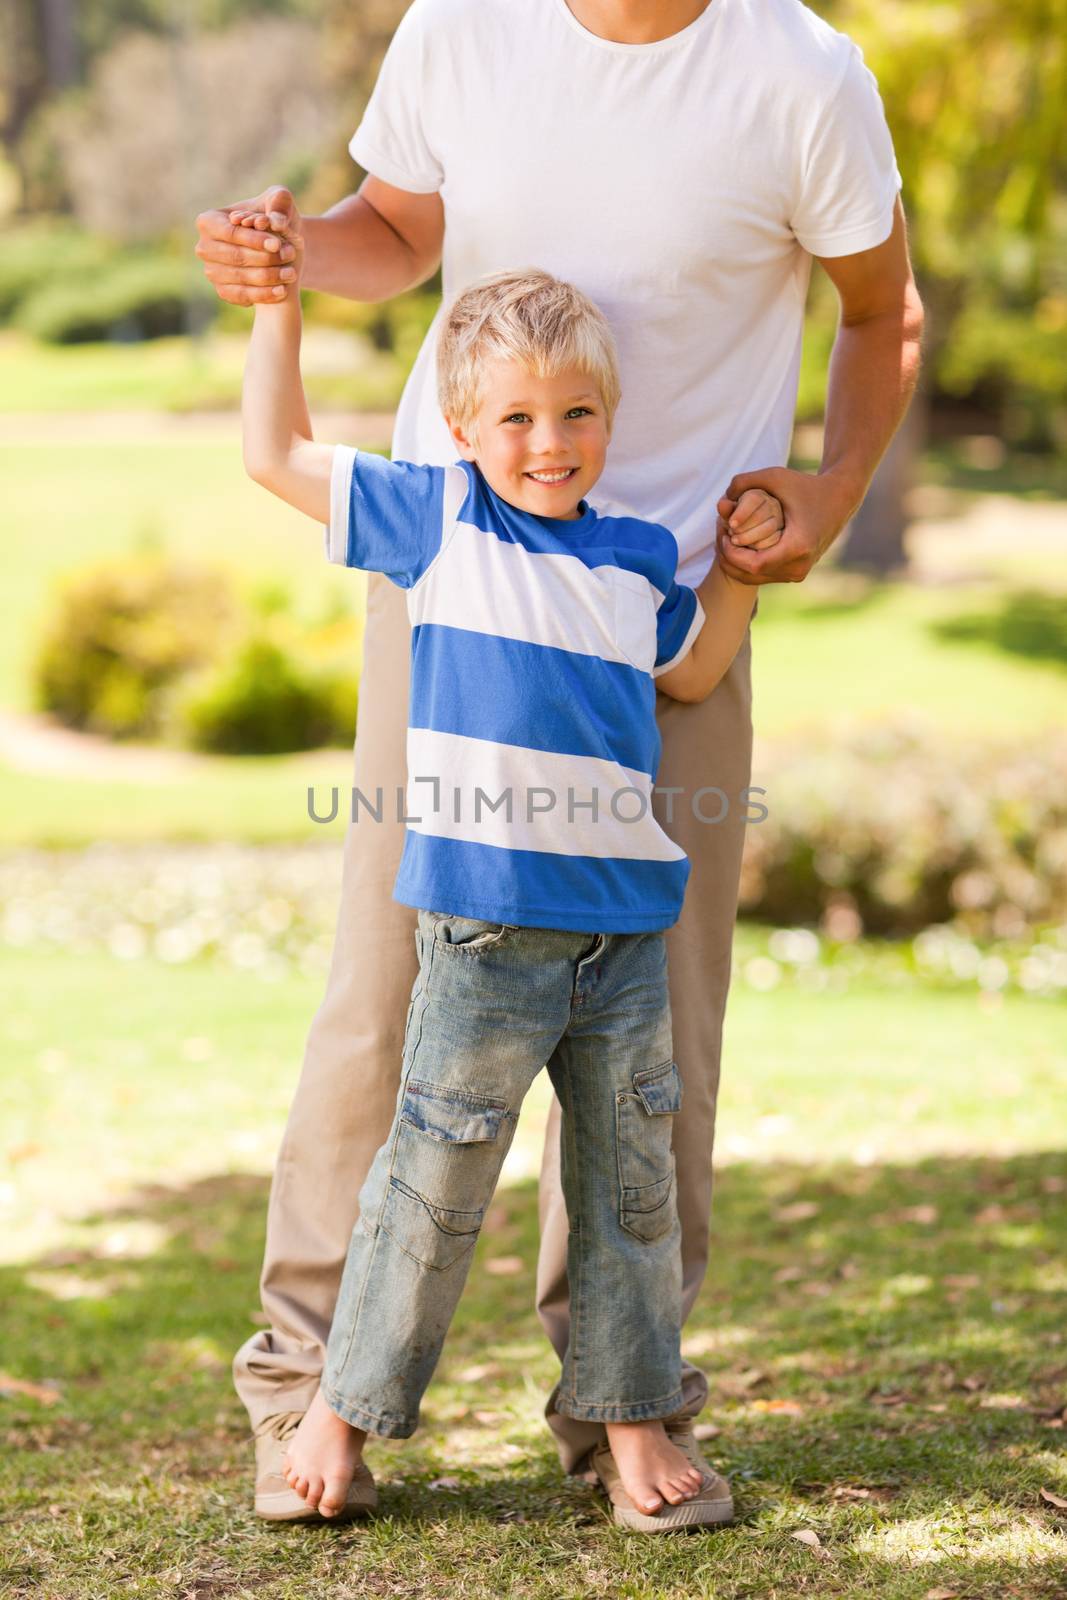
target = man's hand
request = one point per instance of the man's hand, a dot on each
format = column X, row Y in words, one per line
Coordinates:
column 815, row 508
column 267, row 222
column 251, row 260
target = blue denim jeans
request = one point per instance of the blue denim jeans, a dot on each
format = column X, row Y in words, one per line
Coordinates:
column 492, row 1004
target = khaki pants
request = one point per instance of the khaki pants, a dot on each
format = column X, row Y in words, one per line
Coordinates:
column 346, row 1096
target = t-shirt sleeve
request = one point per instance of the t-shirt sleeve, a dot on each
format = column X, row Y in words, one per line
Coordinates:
column 392, row 141
column 678, row 622
column 849, row 181
column 385, row 516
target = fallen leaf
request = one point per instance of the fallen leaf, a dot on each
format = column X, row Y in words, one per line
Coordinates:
column 749, row 1378
column 972, row 1384
column 924, row 1214
column 504, row 1266
column 445, row 1483
column 798, row 1211
column 1051, row 1499
column 896, row 1397
column 706, row 1430
column 1054, row 1185
column 809, row 1537
column 33, row 1391
column 993, row 1213
column 782, row 1408
column 962, row 1280
column 941, row 1594
column 788, row 1274
column 476, row 1374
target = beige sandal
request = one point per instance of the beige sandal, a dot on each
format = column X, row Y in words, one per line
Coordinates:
column 276, row 1502
column 712, row 1503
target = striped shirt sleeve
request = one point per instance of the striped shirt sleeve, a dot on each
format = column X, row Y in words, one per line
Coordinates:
column 385, row 516
column 678, row 622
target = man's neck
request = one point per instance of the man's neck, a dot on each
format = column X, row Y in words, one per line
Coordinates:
column 636, row 21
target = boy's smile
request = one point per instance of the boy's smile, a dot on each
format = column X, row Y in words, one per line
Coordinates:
column 540, row 442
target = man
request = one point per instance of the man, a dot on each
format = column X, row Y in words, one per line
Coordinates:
column 682, row 162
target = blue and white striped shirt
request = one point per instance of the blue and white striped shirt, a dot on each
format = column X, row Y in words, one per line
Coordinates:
column 532, row 739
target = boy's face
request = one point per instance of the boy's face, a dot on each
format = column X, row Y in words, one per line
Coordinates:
column 540, row 442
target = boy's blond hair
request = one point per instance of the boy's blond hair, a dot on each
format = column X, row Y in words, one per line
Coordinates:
column 526, row 316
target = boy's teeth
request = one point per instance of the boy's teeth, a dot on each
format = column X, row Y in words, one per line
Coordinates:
column 551, row 477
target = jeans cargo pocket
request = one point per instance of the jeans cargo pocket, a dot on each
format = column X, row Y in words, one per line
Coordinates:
column 644, row 1121
column 449, row 1147
column 470, row 934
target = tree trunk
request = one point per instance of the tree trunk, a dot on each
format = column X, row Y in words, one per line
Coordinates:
column 873, row 542
column 60, row 42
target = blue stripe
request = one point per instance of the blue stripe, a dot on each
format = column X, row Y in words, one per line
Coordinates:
column 538, row 890
column 646, row 548
column 510, row 692
column 674, row 622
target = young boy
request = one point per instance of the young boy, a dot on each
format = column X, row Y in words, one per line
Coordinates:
column 543, row 882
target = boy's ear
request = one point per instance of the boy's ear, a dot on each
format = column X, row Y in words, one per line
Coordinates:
column 461, row 438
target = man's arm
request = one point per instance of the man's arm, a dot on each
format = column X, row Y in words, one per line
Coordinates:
column 370, row 246
column 375, row 244
column 874, row 368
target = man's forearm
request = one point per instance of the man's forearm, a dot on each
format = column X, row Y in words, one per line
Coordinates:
column 873, row 372
column 353, row 252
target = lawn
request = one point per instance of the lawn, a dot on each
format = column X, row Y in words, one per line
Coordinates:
column 882, row 1326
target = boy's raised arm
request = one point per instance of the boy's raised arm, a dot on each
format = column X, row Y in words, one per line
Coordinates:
column 279, row 452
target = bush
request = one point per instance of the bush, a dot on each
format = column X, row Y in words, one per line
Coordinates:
column 143, row 295
column 45, row 252
column 266, row 700
column 122, row 634
column 889, row 832
column 151, row 647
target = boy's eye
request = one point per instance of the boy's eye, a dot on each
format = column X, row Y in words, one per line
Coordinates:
column 580, row 411
column 517, row 416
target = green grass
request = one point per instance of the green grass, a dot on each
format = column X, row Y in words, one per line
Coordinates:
column 173, row 375
column 882, row 1326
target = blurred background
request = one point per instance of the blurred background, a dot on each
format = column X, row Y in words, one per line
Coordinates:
column 179, row 667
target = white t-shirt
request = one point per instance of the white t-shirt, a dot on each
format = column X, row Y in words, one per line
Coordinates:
column 684, row 185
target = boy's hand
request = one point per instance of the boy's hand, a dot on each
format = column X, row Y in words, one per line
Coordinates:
column 268, row 222
column 250, row 262
column 756, row 521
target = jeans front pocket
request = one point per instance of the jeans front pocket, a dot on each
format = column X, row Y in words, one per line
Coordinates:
column 469, row 934
column 449, row 1148
column 644, row 1123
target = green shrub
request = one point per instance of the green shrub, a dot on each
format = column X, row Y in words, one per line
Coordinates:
column 43, row 252
column 122, row 633
column 268, row 698
column 889, row 831
column 142, row 295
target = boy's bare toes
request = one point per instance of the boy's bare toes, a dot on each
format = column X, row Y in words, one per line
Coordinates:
column 314, row 1490
column 333, row 1496
column 647, row 1497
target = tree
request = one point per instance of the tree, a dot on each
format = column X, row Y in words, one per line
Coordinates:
column 976, row 97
